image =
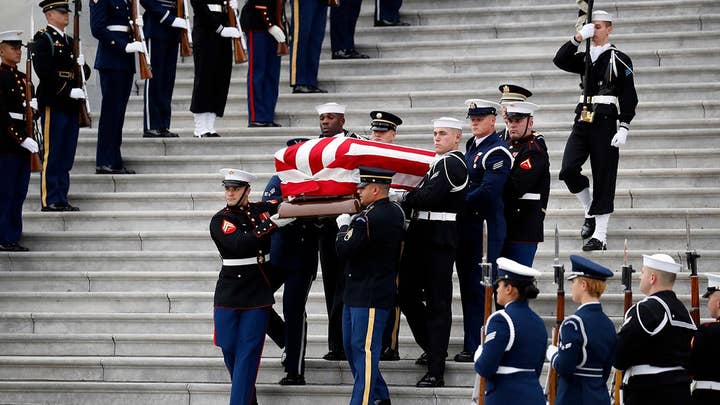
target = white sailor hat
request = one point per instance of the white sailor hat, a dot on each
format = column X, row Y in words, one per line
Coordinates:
column 509, row 269
column 330, row 108
column 713, row 284
column 447, row 122
column 480, row 108
column 601, row 15
column 662, row 262
column 520, row 109
column 11, row 37
column 236, row 177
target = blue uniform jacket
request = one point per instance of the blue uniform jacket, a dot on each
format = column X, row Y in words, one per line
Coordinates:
column 158, row 18
column 111, row 53
column 585, row 356
column 516, row 338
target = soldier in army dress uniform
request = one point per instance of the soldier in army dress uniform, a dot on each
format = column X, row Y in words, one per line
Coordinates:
column 706, row 351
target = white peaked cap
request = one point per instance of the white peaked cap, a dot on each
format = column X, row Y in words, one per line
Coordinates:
column 520, row 107
column 662, row 262
column 237, row 175
column 330, row 108
column 517, row 269
column 10, row 36
column 601, row 15
column 447, row 122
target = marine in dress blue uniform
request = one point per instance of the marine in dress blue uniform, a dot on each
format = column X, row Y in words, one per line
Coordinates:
column 512, row 356
column 586, row 347
column 110, row 22
column 162, row 30
column 309, row 19
column 488, row 162
column 511, row 93
column 705, row 350
column 528, row 187
column 15, row 145
column 653, row 346
column 369, row 245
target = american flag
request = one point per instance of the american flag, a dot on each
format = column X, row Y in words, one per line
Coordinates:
column 326, row 167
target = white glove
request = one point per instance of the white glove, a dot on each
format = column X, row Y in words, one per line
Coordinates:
column 233, row 4
column 396, row 195
column 551, row 350
column 343, row 219
column 77, row 93
column 230, row 32
column 180, row 23
column 620, row 137
column 33, row 103
column 478, row 353
column 30, row 145
column 136, row 46
column 81, row 60
column 587, row 31
column 243, row 42
column 280, row 222
column 139, row 22
column 277, row 33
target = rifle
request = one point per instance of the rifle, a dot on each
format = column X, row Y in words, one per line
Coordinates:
column 35, row 164
column 238, row 52
column 587, row 114
column 559, row 280
column 481, row 382
column 138, row 35
column 185, row 36
column 627, row 272
column 282, row 48
column 84, row 113
column 692, row 256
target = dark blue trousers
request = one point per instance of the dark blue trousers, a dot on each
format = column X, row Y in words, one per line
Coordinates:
column 309, row 19
column 388, row 10
column 523, row 253
column 295, row 295
column 60, row 132
column 13, row 189
column 241, row 336
column 362, row 337
column 342, row 24
column 115, row 86
column 263, row 77
column 159, row 89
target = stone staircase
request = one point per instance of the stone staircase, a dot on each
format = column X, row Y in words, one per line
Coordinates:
column 113, row 304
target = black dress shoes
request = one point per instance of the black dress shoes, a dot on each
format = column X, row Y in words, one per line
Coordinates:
column 166, row 133
column 388, row 354
column 62, row 207
column 349, row 54
column 304, row 89
column 159, row 133
column 12, row 247
column 209, row 135
column 382, row 402
column 386, row 23
column 335, row 356
column 258, row 124
column 110, row 170
column 430, row 381
column 422, row 360
column 464, row 357
column 292, row 379
column 594, row 244
column 588, row 228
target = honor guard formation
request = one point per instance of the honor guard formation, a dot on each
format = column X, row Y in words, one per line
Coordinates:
column 431, row 282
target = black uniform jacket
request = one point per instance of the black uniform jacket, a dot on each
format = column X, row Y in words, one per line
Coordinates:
column 527, row 189
column 12, row 97
column 705, row 355
column 370, row 249
column 259, row 15
column 241, row 233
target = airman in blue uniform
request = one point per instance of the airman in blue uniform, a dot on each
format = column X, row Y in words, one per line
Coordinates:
column 488, row 163
column 309, row 19
column 512, row 356
column 586, row 347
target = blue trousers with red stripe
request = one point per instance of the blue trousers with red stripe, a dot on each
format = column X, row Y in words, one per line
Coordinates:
column 263, row 76
column 241, row 336
column 13, row 189
column 362, row 337
column 60, row 132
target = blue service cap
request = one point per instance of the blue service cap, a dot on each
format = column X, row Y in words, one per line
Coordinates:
column 374, row 175
column 582, row 267
column 480, row 108
column 48, row 5
column 510, row 269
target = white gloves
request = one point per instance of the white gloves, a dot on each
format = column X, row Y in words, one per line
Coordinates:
column 343, row 219
column 30, row 145
column 77, row 93
column 230, row 32
column 180, row 23
column 81, row 60
column 233, row 4
column 551, row 350
column 396, row 195
column 587, row 31
column 478, row 353
column 280, row 222
column 620, row 137
column 136, row 46
column 33, row 103
column 277, row 33
column 243, row 42
column 139, row 22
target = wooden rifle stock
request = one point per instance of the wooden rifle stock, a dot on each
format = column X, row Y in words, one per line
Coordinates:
column 145, row 69
column 282, row 48
column 559, row 278
column 238, row 51
column 626, row 274
column 487, row 281
column 84, row 119
column 185, row 48
column 35, row 163
column 692, row 256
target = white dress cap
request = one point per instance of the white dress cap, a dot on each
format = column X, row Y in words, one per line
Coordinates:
column 10, row 36
column 330, row 108
column 662, row 262
column 601, row 15
column 236, row 175
column 511, row 269
column 447, row 122
column 713, row 280
column 521, row 107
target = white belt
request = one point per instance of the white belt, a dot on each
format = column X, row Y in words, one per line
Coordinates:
column 215, row 8
column 245, row 262
column 513, row 370
column 118, row 28
column 17, row 116
column 530, row 196
column 435, row 216
column 707, row 385
column 645, row 369
column 600, row 99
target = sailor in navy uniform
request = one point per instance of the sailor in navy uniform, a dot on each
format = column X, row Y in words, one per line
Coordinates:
column 430, row 248
column 705, row 350
column 654, row 342
column 332, row 121
column 110, row 23
column 586, row 347
column 528, row 187
column 59, row 102
column 369, row 245
column 512, row 356
column 510, row 93
column 244, row 291
column 162, row 29
column 488, row 162
column 309, row 19
column 16, row 145
column 614, row 99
